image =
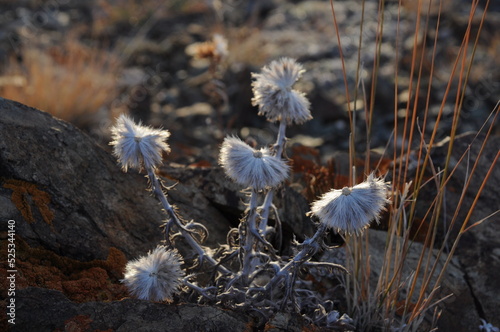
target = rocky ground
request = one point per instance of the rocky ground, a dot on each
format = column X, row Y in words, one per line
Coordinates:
column 76, row 222
column 162, row 83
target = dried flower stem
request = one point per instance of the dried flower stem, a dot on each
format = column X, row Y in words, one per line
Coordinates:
column 281, row 140
column 310, row 247
column 253, row 238
column 202, row 291
column 157, row 190
column 250, row 238
column 279, row 146
column 288, row 272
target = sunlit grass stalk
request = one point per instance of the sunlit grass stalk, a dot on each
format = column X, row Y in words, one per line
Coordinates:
column 434, row 220
column 399, row 237
column 426, row 111
column 352, row 150
column 461, row 96
column 376, row 62
column 417, row 88
column 358, row 76
column 405, row 136
column 467, row 218
column 430, row 144
column 429, row 271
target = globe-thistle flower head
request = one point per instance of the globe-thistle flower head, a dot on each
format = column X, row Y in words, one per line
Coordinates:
column 274, row 96
column 154, row 277
column 350, row 210
column 136, row 146
column 249, row 167
column 281, row 73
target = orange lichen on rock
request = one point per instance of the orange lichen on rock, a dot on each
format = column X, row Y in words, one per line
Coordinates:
column 115, row 263
column 92, row 284
column 24, row 194
column 316, row 178
column 97, row 280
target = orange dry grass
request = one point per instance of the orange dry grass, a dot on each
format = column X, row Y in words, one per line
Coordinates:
column 399, row 301
column 71, row 81
column 141, row 13
column 109, row 13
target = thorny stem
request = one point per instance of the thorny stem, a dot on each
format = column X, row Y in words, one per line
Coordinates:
column 309, row 248
column 254, row 233
column 250, row 239
column 264, row 214
column 199, row 290
column 280, row 142
column 157, row 189
column 279, row 146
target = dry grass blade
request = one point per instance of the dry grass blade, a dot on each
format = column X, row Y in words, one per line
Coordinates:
column 348, row 99
column 382, row 304
column 72, row 81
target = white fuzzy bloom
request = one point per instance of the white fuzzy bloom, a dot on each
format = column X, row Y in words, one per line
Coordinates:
column 274, row 95
column 136, row 145
column 154, row 277
column 282, row 73
column 350, row 210
column 249, row 167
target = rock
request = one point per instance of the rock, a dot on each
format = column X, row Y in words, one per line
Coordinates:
column 285, row 322
column 50, row 310
column 67, row 194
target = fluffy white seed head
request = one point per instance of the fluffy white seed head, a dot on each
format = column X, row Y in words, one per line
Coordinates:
column 136, row 146
column 155, row 277
column 350, row 210
column 281, row 73
column 250, row 167
column 274, row 96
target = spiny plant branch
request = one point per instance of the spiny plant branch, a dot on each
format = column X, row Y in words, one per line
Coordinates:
column 160, row 195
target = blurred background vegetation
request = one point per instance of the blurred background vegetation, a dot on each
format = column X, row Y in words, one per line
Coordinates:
column 88, row 61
